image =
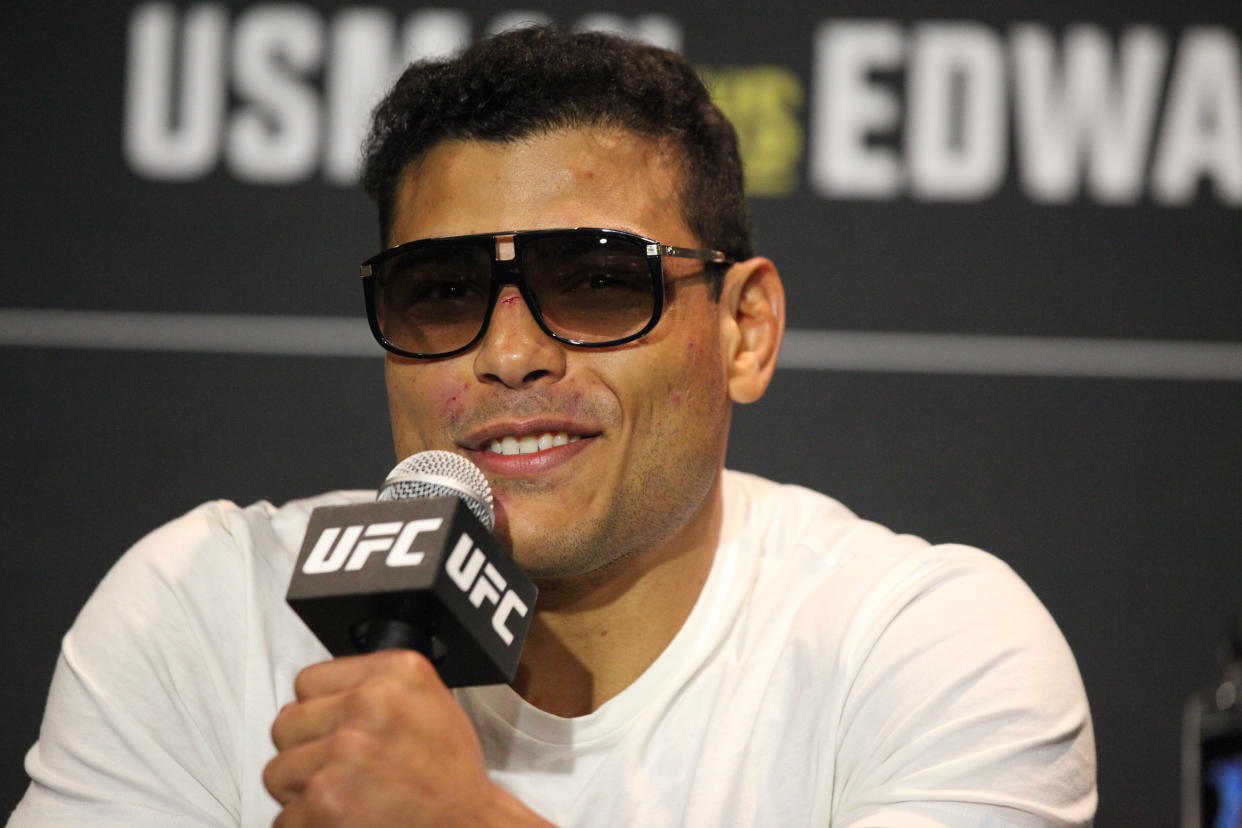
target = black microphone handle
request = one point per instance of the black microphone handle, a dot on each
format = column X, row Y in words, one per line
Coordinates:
column 394, row 634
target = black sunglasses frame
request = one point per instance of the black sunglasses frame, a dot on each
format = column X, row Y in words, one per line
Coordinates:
column 508, row 271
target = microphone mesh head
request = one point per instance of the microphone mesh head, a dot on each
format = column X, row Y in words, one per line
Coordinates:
column 440, row 473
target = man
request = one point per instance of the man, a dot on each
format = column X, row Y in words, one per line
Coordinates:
column 708, row 648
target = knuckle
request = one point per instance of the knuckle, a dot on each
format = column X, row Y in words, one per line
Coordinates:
column 350, row 746
column 325, row 797
column 282, row 723
column 378, row 699
column 409, row 663
column 366, row 704
column 271, row 779
column 302, row 683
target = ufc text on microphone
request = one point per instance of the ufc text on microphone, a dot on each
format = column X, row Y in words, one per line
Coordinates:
column 422, row 573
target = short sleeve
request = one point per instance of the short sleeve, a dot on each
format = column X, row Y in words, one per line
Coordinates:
column 142, row 719
column 966, row 707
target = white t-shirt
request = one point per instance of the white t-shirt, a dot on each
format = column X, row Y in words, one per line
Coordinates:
column 831, row 673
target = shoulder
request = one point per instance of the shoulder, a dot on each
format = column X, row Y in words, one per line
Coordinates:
column 959, row 678
column 207, row 582
column 217, row 573
column 183, row 646
column 855, row 579
column 202, row 567
column 218, row 540
column 222, row 524
column 793, row 528
column 933, row 657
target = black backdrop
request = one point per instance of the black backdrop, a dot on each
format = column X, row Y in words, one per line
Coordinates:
column 1010, row 233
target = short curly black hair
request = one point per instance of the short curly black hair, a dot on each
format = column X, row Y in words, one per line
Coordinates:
column 537, row 79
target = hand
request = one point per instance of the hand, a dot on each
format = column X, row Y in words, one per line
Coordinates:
column 378, row 740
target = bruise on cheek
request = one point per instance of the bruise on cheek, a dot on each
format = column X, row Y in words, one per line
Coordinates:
column 453, row 402
column 697, row 361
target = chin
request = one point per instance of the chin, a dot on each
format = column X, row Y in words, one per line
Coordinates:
column 553, row 561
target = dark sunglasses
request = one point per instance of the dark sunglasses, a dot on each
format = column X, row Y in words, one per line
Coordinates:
column 587, row 287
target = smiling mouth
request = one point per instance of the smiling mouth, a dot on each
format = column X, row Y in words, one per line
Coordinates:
column 531, row 443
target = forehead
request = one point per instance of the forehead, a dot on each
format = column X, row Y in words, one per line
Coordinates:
column 595, row 177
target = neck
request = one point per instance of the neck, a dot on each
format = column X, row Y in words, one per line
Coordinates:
column 594, row 635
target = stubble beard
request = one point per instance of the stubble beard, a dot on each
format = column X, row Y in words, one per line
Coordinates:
column 659, row 497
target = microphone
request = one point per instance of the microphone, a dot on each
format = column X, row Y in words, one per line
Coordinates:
column 417, row 569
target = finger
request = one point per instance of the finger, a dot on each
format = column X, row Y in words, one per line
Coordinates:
column 343, row 673
column 287, row 774
column 368, row 707
column 293, row 815
column 305, row 721
column 315, row 808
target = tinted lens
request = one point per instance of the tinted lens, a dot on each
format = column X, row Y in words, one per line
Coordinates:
column 432, row 299
column 590, row 288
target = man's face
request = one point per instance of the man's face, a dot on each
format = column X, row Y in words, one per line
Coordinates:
column 645, row 422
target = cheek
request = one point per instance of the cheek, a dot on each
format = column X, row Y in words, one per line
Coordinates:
column 451, row 401
column 695, row 377
column 424, row 400
column 692, row 352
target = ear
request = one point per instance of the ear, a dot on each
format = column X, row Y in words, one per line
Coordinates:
column 752, row 322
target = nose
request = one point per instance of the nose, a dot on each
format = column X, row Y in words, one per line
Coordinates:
column 515, row 351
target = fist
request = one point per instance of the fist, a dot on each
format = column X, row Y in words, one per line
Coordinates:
column 379, row 740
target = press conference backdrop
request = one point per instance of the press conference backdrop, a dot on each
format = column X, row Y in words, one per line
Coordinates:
column 1011, row 233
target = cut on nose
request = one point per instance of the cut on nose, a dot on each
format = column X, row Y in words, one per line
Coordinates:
column 515, row 350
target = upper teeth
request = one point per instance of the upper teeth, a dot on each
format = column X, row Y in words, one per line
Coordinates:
column 531, row 443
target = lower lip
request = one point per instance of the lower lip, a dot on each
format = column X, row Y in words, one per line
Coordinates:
column 526, row 465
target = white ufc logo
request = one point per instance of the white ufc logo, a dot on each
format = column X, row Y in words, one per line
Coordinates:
column 464, row 565
column 351, row 548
